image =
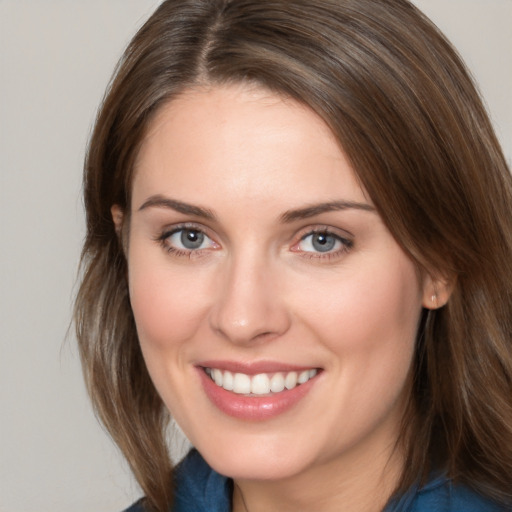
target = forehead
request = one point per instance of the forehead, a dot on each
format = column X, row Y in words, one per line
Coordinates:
column 243, row 141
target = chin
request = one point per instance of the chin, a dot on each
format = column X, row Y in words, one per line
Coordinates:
column 255, row 459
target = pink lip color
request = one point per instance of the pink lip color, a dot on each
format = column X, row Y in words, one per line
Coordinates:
column 252, row 408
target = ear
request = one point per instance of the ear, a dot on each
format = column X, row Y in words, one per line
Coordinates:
column 437, row 291
column 118, row 217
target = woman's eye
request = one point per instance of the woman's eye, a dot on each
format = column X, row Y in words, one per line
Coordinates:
column 323, row 242
column 188, row 239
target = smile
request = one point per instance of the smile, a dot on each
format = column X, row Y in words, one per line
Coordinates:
column 258, row 391
column 260, row 384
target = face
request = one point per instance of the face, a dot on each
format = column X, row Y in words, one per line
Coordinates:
column 276, row 313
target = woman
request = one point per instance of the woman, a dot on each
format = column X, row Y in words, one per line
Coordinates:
column 300, row 246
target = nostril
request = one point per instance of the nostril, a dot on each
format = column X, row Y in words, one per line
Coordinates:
column 246, row 310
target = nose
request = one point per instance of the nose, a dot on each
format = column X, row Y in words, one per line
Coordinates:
column 249, row 306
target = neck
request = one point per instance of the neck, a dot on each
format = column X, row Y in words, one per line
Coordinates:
column 353, row 483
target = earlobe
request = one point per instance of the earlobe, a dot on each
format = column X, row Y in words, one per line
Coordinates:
column 122, row 225
column 118, row 217
column 437, row 291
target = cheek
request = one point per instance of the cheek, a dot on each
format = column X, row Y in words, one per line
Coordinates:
column 386, row 311
column 167, row 305
column 378, row 305
column 369, row 321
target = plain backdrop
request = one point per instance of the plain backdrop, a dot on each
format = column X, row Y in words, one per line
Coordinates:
column 56, row 57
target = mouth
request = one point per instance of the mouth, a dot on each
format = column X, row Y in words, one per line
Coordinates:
column 261, row 384
column 258, row 391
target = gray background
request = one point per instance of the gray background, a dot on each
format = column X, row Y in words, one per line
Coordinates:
column 56, row 57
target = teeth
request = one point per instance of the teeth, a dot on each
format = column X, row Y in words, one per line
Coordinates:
column 227, row 381
column 217, row 377
column 261, row 384
column 277, row 383
column 290, row 380
column 303, row 377
column 241, row 383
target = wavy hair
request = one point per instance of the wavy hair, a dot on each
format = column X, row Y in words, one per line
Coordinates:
column 404, row 108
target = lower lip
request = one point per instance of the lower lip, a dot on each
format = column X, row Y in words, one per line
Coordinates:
column 253, row 408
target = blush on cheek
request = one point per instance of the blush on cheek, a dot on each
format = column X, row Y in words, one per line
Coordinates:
column 160, row 315
column 390, row 301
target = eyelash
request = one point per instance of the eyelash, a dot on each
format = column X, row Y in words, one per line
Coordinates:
column 163, row 238
column 346, row 244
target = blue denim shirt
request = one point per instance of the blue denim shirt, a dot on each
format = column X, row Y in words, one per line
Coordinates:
column 200, row 489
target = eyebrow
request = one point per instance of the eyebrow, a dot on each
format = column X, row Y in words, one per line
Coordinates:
column 159, row 201
column 317, row 209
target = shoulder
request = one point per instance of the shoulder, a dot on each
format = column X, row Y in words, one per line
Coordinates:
column 443, row 495
column 456, row 497
column 197, row 487
column 136, row 507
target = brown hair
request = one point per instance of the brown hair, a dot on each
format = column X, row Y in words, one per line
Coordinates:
column 401, row 103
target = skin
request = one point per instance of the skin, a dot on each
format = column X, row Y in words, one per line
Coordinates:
column 258, row 290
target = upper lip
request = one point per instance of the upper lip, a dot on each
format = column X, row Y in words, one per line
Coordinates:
column 255, row 367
